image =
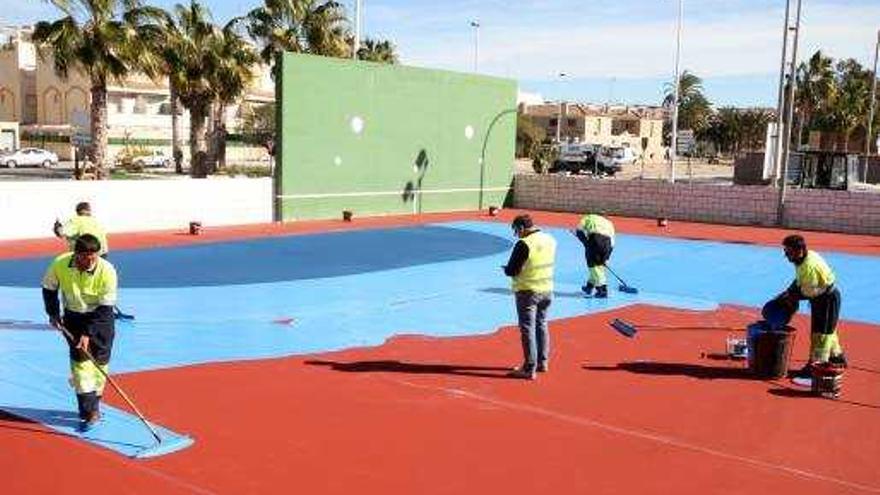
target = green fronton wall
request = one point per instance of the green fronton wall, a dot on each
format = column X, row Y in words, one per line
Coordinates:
column 423, row 134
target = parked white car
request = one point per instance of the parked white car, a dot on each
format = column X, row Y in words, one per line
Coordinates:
column 28, row 157
column 154, row 159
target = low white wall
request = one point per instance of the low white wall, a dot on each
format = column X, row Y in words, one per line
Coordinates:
column 28, row 209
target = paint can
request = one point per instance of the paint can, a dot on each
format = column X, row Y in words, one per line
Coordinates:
column 195, row 228
column 737, row 348
column 769, row 350
column 662, row 222
column 493, row 211
column 346, row 215
column 827, row 380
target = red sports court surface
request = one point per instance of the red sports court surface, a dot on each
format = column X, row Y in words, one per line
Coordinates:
column 663, row 413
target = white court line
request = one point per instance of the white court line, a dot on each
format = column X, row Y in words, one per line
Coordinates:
column 642, row 435
column 389, row 193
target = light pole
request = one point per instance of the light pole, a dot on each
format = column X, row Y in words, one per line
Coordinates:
column 789, row 115
column 476, row 26
column 673, row 149
column 871, row 111
column 357, row 29
column 780, row 104
column 559, row 116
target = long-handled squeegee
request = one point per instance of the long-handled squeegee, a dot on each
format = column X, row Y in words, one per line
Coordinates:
column 628, row 329
column 162, row 447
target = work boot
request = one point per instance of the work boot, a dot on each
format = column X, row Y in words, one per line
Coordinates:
column 543, row 368
column 838, row 361
column 91, row 421
column 805, row 373
column 602, row 292
column 523, row 373
column 588, row 289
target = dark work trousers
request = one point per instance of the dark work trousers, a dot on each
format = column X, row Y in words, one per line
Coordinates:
column 825, row 311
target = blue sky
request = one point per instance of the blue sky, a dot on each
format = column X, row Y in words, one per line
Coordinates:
column 618, row 50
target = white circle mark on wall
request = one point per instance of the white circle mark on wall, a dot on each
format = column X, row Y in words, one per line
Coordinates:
column 357, row 125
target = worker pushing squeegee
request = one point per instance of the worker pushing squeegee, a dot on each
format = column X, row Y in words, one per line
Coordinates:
column 596, row 233
column 88, row 285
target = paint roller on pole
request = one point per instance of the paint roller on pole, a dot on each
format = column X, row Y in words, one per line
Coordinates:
column 776, row 313
column 629, row 329
column 162, row 446
column 623, row 287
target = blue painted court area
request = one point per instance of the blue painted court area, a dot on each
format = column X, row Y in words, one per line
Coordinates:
column 218, row 302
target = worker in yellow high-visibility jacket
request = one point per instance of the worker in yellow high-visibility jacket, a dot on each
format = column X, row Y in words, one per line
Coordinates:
column 531, row 267
column 88, row 286
column 596, row 233
column 814, row 281
column 82, row 223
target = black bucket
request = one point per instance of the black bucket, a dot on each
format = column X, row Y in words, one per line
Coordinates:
column 769, row 350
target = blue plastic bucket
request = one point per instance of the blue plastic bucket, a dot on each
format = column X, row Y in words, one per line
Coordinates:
column 776, row 314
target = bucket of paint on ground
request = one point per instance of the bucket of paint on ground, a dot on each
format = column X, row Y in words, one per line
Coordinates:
column 769, row 349
column 195, row 228
column 347, row 215
column 737, row 348
column 827, row 380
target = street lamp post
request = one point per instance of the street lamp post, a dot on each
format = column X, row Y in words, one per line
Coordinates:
column 559, row 116
column 476, row 26
column 871, row 112
column 357, row 29
column 673, row 149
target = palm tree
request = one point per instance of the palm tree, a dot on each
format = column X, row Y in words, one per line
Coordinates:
column 230, row 80
column 753, row 127
column 301, row 26
column 816, row 89
column 377, row 51
column 196, row 61
column 693, row 107
column 852, row 98
column 99, row 39
column 167, row 49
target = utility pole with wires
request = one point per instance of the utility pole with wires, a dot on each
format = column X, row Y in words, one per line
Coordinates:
column 869, row 127
column 789, row 83
column 676, row 96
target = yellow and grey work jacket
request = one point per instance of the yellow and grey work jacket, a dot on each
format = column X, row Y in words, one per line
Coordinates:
column 537, row 272
column 813, row 276
column 597, row 224
column 82, row 291
column 81, row 225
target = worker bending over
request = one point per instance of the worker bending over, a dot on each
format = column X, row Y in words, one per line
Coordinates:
column 596, row 233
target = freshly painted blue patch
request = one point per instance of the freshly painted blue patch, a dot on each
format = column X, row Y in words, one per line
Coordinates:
column 416, row 286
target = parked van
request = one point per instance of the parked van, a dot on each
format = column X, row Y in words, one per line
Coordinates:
column 612, row 159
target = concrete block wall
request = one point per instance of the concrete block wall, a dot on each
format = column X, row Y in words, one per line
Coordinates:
column 809, row 209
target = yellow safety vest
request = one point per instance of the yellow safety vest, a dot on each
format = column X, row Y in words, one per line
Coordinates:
column 537, row 272
column 82, row 292
column 598, row 224
column 84, row 224
column 814, row 276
